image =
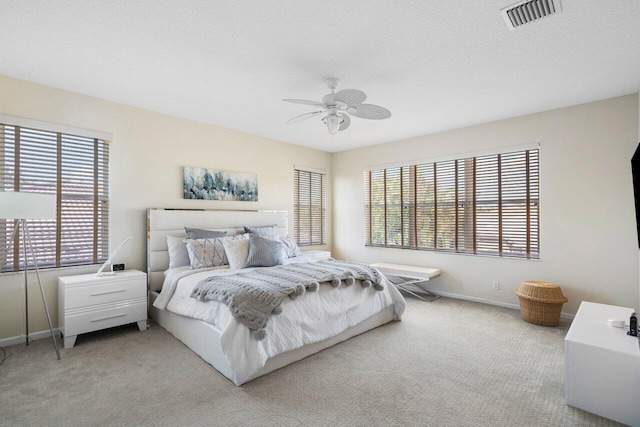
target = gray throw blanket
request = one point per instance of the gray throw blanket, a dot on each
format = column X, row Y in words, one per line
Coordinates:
column 253, row 296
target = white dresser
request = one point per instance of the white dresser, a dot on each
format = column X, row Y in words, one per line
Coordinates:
column 602, row 364
column 88, row 302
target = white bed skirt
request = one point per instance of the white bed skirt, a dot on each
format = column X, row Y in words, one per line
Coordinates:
column 204, row 340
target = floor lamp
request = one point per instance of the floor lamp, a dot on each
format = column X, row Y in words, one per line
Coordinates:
column 22, row 207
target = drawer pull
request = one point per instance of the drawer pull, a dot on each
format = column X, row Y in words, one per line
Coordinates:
column 108, row 292
column 107, row 318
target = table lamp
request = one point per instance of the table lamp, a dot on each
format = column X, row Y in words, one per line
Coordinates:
column 22, row 206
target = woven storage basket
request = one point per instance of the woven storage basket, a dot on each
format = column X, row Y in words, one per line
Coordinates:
column 540, row 302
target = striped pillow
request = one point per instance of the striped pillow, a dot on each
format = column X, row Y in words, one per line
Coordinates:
column 265, row 252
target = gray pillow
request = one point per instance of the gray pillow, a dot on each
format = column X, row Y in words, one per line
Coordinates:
column 265, row 252
column 270, row 231
column 199, row 233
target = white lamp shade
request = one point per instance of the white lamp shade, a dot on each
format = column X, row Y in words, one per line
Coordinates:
column 15, row 205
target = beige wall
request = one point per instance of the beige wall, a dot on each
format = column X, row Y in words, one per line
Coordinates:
column 588, row 240
column 588, row 237
column 147, row 154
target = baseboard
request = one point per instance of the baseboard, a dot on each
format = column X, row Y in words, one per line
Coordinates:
column 20, row 339
column 563, row 316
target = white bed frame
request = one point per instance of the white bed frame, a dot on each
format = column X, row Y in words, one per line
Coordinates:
column 204, row 338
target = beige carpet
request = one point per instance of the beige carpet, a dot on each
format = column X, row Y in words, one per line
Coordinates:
column 447, row 363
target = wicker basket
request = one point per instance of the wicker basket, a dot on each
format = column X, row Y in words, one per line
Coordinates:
column 540, row 302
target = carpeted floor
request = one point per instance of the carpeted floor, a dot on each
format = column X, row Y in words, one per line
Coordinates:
column 447, row 363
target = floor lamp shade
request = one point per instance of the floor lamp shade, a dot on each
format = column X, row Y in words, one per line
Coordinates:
column 23, row 207
column 15, row 205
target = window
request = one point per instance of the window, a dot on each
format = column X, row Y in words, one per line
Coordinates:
column 309, row 206
column 486, row 205
column 76, row 169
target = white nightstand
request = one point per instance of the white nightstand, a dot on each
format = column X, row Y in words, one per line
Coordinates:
column 319, row 255
column 88, row 302
column 602, row 364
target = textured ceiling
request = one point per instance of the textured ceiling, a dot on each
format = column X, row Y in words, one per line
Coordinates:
column 437, row 65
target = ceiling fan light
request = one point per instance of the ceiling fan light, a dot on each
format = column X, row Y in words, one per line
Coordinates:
column 333, row 123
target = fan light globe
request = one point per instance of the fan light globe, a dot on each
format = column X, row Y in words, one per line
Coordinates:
column 333, row 123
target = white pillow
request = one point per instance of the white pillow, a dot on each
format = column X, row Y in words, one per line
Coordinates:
column 291, row 248
column 237, row 251
column 178, row 255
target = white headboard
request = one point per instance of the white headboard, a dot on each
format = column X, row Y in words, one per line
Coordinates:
column 171, row 222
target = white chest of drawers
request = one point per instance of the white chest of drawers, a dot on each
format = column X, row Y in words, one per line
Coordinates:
column 602, row 364
column 89, row 303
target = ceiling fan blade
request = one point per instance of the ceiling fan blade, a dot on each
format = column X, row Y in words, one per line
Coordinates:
column 371, row 112
column 350, row 96
column 346, row 122
column 302, row 117
column 304, row 102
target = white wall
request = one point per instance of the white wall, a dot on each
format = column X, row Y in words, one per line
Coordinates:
column 587, row 231
column 147, row 154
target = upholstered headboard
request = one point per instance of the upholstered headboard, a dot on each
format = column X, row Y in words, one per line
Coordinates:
column 171, row 222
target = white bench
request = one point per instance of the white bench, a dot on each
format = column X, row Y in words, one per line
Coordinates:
column 404, row 275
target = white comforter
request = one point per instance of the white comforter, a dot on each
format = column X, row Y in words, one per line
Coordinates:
column 313, row 317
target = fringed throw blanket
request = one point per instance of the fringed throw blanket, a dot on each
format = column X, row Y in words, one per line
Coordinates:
column 253, row 296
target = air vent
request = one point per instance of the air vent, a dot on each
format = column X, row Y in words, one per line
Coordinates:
column 527, row 11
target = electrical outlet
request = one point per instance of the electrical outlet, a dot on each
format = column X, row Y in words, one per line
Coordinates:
column 495, row 285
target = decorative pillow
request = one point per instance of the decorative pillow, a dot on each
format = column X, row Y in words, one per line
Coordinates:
column 270, row 231
column 199, row 233
column 237, row 251
column 291, row 248
column 178, row 255
column 206, row 252
column 265, row 252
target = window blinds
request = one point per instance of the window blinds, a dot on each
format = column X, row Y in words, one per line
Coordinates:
column 485, row 205
column 75, row 169
column 309, row 207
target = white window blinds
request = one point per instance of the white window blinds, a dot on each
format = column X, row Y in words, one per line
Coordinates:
column 309, row 207
column 486, row 205
column 75, row 169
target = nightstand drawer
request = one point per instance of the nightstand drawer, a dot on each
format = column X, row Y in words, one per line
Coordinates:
column 88, row 295
column 85, row 320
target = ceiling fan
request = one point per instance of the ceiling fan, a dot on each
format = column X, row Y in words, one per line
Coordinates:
column 337, row 106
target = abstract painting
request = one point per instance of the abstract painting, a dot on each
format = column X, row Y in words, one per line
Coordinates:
column 213, row 184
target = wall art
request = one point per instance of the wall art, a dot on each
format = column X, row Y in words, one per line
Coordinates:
column 213, row 184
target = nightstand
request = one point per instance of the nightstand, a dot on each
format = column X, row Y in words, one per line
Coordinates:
column 89, row 303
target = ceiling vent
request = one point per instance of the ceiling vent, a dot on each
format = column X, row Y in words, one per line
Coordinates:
column 527, row 11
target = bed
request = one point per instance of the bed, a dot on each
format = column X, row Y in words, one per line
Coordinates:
column 310, row 323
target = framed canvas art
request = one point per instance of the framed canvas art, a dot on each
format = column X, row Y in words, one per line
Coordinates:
column 213, row 184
